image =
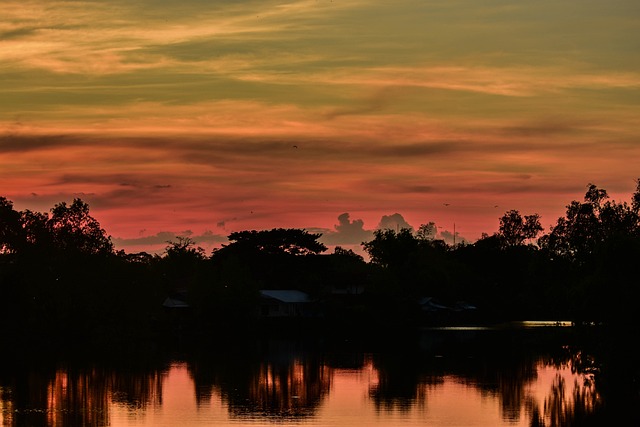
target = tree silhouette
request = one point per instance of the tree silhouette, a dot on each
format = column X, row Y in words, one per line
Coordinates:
column 184, row 247
column 427, row 232
column 10, row 227
column 63, row 279
column 515, row 229
column 391, row 249
column 588, row 224
column 635, row 198
column 76, row 231
column 290, row 241
column 182, row 264
column 35, row 225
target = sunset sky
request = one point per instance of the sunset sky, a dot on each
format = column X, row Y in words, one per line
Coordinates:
column 201, row 117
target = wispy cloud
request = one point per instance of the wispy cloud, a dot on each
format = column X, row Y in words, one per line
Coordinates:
column 99, row 38
column 517, row 81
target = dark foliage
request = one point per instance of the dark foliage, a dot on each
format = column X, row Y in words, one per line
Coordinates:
column 65, row 283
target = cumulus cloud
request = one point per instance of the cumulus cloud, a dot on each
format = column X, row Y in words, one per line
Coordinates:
column 353, row 232
column 393, row 222
column 346, row 232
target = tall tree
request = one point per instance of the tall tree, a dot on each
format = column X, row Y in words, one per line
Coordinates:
column 515, row 229
column 635, row 199
column 182, row 264
column 290, row 241
column 427, row 232
column 76, row 231
column 10, row 227
column 184, row 247
column 37, row 234
column 390, row 248
column 588, row 224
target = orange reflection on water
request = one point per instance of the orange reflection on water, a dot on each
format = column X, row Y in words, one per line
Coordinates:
column 78, row 399
column 559, row 394
column 292, row 390
column 86, row 397
column 331, row 396
column 304, row 390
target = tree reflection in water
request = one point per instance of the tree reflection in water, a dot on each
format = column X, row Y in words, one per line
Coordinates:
column 496, row 365
column 74, row 396
column 289, row 379
column 565, row 405
column 276, row 380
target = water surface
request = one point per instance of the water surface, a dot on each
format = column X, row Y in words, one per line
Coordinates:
column 443, row 377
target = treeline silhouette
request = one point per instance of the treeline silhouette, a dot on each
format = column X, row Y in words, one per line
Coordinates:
column 62, row 282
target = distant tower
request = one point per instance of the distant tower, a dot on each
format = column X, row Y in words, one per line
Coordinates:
column 454, row 234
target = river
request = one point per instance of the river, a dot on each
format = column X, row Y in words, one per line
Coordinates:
column 532, row 375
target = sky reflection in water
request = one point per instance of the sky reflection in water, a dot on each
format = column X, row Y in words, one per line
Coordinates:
column 452, row 401
column 448, row 378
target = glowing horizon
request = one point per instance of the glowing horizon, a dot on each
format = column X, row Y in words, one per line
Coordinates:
column 175, row 116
